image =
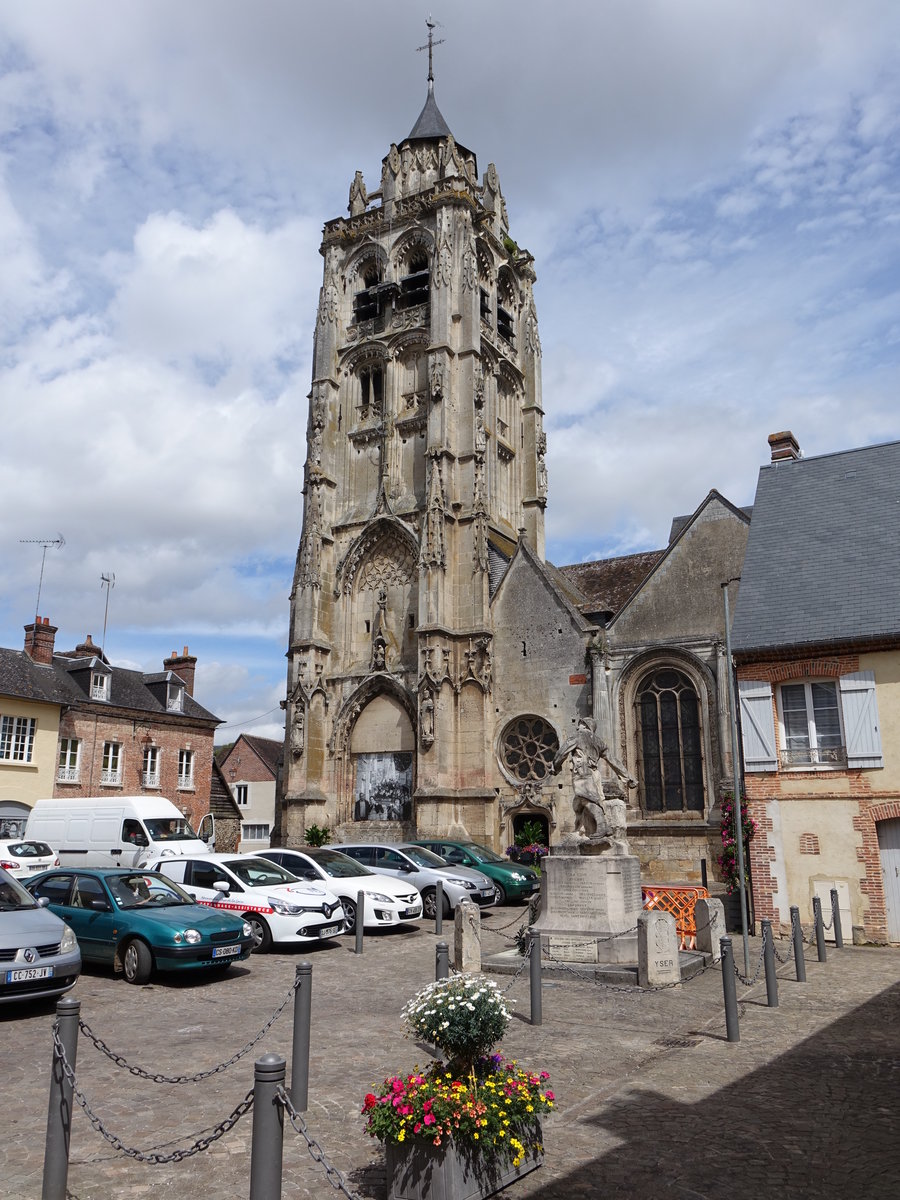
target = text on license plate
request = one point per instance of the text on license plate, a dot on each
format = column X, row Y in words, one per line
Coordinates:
column 225, row 951
column 26, row 973
column 330, row 930
column 411, row 912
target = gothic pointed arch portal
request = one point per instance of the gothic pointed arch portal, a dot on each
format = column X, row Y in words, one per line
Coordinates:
column 382, row 761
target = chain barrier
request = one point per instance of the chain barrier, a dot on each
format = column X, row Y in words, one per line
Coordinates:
column 827, row 924
column 116, row 1142
column 743, row 978
column 157, row 1077
column 521, row 967
column 631, row 989
column 790, row 954
column 332, row 1174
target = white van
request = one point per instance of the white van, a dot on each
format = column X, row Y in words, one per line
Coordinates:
column 116, row 831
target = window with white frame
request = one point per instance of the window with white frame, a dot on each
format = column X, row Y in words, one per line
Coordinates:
column 99, row 685
column 69, row 768
column 242, row 794
column 185, row 769
column 823, row 724
column 811, row 724
column 150, row 768
column 175, row 697
column 17, row 739
column 255, row 833
column 111, row 768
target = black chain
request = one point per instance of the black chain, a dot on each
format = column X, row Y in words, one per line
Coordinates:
column 156, row 1077
column 116, row 1142
column 743, row 978
column 332, row 1174
column 631, row 989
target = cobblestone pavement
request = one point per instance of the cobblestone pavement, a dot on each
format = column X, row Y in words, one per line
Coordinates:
column 652, row 1100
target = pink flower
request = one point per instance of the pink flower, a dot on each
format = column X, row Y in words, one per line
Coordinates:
column 429, row 1118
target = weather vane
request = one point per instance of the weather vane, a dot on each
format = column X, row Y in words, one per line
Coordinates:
column 429, row 46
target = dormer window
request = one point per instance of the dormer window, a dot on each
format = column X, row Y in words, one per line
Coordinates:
column 99, row 685
column 175, row 697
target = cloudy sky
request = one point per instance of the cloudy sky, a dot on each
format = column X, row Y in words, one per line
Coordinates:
column 711, row 190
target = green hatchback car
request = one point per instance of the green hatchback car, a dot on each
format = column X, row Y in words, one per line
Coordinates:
column 512, row 880
column 136, row 921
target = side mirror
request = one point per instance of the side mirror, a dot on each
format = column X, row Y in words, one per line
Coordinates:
column 409, row 869
column 99, row 905
column 221, row 886
column 42, row 901
column 140, row 840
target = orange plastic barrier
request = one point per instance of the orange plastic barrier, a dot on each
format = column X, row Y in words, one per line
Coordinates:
column 679, row 901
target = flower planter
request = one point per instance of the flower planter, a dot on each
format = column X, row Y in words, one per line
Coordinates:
column 418, row 1170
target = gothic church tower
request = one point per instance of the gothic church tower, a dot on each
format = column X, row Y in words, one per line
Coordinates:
column 425, row 469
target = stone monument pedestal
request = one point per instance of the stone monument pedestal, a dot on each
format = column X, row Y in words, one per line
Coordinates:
column 588, row 898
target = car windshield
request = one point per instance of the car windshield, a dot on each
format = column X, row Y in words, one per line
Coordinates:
column 257, row 872
column 337, row 865
column 138, row 890
column 170, row 829
column 13, row 896
column 483, row 853
column 422, row 857
column 28, row 849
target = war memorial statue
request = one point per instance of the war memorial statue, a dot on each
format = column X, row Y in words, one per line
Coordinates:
column 600, row 819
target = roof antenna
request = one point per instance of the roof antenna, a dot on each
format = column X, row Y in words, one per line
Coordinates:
column 429, row 46
column 59, row 541
column 109, row 582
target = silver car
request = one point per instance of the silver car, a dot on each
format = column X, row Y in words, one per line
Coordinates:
column 39, row 954
column 423, row 869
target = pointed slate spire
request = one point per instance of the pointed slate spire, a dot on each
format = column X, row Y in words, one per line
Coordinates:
column 431, row 123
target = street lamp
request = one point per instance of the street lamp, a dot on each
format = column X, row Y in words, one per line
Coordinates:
column 735, row 750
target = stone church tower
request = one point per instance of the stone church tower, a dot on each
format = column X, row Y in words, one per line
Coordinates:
column 425, row 472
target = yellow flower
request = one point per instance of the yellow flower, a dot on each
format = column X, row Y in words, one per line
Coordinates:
column 529, row 1108
column 475, row 1136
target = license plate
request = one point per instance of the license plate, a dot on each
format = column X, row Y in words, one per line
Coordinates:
column 225, row 951
column 39, row 867
column 26, row 973
column 411, row 912
column 330, row 930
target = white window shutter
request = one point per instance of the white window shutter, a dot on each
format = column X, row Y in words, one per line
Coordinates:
column 757, row 725
column 860, row 710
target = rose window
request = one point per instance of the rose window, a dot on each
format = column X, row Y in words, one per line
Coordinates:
column 528, row 747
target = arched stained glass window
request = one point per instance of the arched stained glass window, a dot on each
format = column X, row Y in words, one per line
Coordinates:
column 670, row 743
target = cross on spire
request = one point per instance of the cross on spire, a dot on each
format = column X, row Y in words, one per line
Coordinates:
column 429, row 46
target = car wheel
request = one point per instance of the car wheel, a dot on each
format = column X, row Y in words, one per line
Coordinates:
column 499, row 892
column 429, row 907
column 261, row 934
column 137, row 962
column 349, row 907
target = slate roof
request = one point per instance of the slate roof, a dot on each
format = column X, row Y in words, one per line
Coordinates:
column 28, row 680
column 823, row 556
column 606, row 584
column 430, row 123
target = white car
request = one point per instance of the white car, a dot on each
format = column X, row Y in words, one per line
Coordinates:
column 388, row 901
column 23, row 857
column 421, row 868
column 278, row 906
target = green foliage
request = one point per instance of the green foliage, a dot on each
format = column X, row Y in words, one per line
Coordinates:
column 317, row 835
column 529, row 833
column 511, row 247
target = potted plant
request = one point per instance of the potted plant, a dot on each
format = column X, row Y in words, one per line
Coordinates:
column 471, row 1123
column 528, row 847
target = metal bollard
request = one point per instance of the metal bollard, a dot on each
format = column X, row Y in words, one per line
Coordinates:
column 836, row 920
column 820, row 929
column 59, row 1110
column 300, row 1048
column 439, row 907
column 359, row 926
column 267, row 1146
column 441, row 961
column 769, row 960
column 534, row 967
column 797, row 936
column 732, row 1024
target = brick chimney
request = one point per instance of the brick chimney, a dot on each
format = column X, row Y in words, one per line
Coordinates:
column 184, row 666
column 39, row 640
column 783, row 446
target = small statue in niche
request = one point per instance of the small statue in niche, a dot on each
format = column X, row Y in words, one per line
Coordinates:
column 436, row 378
column 426, row 718
column 598, row 818
column 298, row 731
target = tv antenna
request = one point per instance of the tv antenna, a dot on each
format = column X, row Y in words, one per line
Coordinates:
column 59, row 541
column 107, row 580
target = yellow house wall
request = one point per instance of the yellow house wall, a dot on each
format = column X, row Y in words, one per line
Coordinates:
column 831, row 820
column 27, row 782
column 886, row 665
